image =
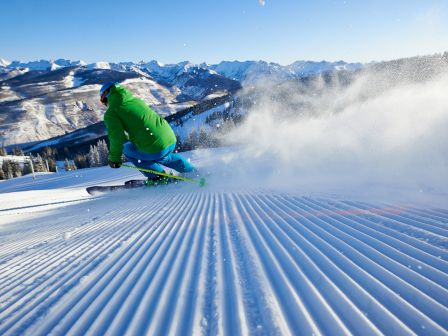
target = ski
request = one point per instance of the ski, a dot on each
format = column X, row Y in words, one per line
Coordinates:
column 96, row 190
column 132, row 184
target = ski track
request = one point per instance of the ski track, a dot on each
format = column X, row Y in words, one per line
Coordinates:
column 227, row 263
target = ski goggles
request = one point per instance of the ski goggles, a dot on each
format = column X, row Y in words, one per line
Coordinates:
column 104, row 96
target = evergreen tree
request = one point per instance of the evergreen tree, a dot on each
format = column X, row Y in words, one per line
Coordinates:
column 237, row 118
column 3, row 151
column 2, row 174
column 49, row 153
column 26, row 168
column 66, row 152
column 51, row 164
column 203, row 139
column 16, row 170
column 93, row 156
column 67, row 165
column 17, row 151
column 31, row 162
column 97, row 156
column 80, row 161
column 192, row 140
column 103, row 153
column 7, row 169
column 39, row 164
column 72, row 165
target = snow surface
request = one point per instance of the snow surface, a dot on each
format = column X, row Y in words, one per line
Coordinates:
column 6, row 94
column 231, row 258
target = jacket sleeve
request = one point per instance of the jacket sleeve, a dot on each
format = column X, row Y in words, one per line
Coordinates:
column 117, row 137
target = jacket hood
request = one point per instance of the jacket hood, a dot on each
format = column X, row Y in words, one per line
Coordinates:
column 119, row 95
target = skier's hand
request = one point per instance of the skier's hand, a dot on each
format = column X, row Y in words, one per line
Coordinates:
column 114, row 164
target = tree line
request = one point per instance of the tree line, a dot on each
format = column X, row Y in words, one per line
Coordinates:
column 46, row 160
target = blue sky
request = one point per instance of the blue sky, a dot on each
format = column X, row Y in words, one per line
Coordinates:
column 281, row 31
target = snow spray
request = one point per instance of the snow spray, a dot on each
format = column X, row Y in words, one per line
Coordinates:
column 375, row 135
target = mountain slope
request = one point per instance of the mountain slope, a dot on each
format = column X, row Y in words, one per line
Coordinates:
column 43, row 103
column 45, row 98
column 215, row 261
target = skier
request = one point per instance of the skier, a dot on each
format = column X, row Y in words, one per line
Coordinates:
column 149, row 142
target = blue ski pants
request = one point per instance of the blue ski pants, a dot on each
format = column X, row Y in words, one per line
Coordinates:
column 154, row 161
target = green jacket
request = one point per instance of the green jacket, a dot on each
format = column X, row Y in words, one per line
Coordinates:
column 149, row 132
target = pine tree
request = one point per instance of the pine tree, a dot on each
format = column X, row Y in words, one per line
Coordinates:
column 103, row 153
column 2, row 174
column 67, row 152
column 26, row 168
column 3, row 151
column 67, row 165
column 97, row 156
column 192, row 140
column 49, row 153
column 7, row 169
column 93, row 156
column 203, row 138
column 39, row 165
column 80, row 161
column 16, row 170
column 17, row 151
column 72, row 165
column 51, row 164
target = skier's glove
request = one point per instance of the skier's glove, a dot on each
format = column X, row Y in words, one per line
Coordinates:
column 114, row 164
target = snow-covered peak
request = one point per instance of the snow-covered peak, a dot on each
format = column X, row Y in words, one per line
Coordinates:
column 151, row 66
column 66, row 63
column 54, row 66
column 186, row 65
column 99, row 65
column 168, row 71
column 4, row 63
column 41, row 65
column 306, row 68
column 242, row 71
column 32, row 65
column 252, row 70
column 232, row 69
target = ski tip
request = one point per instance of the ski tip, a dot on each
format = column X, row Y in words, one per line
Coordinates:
column 94, row 191
column 202, row 182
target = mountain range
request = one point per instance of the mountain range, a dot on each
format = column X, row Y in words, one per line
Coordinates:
column 47, row 98
column 56, row 102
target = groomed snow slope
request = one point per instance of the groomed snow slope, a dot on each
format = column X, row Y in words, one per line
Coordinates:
column 180, row 260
